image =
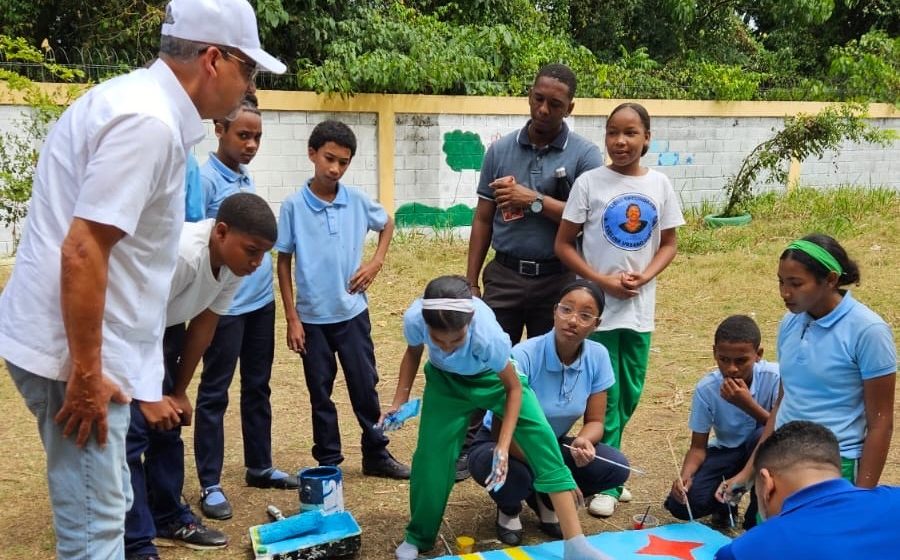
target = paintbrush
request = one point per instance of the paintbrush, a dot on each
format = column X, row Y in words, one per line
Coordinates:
column 611, row 462
column 644, row 518
column 728, row 503
column 678, row 474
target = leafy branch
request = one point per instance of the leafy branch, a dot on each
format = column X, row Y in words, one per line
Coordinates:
column 802, row 136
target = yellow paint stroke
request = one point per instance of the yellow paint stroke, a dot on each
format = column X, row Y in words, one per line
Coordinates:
column 517, row 553
column 473, row 556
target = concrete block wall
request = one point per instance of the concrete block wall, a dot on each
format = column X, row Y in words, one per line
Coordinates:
column 698, row 153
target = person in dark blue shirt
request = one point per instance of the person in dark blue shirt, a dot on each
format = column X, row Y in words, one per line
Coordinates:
column 811, row 512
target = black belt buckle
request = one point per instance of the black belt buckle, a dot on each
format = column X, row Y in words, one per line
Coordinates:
column 529, row 268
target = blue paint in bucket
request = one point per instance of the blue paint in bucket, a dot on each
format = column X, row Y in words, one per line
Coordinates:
column 321, row 488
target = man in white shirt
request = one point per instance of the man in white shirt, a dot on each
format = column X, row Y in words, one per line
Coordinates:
column 82, row 316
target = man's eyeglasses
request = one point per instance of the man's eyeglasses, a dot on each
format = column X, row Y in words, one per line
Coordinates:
column 582, row 317
column 249, row 69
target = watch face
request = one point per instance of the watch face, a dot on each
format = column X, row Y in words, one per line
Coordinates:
column 537, row 206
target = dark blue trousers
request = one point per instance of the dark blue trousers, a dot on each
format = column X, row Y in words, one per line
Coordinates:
column 720, row 462
column 593, row 478
column 351, row 341
column 249, row 337
column 156, row 461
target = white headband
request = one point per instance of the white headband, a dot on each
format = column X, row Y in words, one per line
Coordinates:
column 463, row 305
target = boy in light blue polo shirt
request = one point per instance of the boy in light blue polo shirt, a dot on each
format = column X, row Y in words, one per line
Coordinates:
column 324, row 226
column 734, row 401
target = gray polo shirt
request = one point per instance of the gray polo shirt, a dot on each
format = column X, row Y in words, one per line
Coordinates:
column 531, row 237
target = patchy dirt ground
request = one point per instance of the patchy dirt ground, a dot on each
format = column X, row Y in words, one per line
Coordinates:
column 694, row 295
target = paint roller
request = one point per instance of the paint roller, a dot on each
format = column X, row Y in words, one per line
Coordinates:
column 288, row 528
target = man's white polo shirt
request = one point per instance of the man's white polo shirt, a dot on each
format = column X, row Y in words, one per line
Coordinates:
column 116, row 157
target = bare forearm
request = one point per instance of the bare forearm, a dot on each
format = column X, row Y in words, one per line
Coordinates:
column 513, row 405
column 874, row 454
column 83, row 281
column 479, row 239
column 591, row 431
column 384, row 242
column 664, row 256
column 553, row 209
column 409, row 367
column 286, row 286
column 692, row 461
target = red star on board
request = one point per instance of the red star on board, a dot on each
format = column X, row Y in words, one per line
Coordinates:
column 675, row 549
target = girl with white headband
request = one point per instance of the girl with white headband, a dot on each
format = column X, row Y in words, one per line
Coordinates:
column 469, row 368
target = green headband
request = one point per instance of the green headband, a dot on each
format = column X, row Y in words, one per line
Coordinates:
column 819, row 254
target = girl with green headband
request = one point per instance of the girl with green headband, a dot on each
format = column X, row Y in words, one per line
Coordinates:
column 837, row 357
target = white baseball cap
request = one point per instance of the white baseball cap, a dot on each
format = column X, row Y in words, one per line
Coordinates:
column 230, row 23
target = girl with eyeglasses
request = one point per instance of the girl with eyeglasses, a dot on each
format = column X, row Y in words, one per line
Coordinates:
column 570, row 376
column 469, row 368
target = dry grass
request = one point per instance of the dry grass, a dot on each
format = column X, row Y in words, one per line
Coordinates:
column 695, row 293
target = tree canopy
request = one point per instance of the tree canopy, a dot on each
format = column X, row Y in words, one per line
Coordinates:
column 676, row 49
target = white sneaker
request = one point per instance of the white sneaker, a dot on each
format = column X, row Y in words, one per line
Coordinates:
column 603, row 505
column 626, row 495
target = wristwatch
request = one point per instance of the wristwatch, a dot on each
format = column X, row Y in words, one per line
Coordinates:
column 537, row 205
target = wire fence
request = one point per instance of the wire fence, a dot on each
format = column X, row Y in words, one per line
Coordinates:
column 100, row 64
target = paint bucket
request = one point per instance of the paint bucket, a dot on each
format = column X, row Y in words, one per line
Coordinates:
column 321, row 488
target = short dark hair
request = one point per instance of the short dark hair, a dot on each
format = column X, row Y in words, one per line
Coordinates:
column 798, row 442
column 453, row 287
column 850, row 274
column 738, row 328
column 559, row 72
column 333, row 131
column 590, row 288
column 249, row 104
column 250, row 214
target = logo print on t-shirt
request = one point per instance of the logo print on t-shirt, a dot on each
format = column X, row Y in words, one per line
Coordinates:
column 628, row 221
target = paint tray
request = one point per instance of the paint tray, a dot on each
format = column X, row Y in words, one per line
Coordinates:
column 338, row 536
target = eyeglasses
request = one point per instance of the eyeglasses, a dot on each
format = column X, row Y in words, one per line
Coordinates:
column 582, row 317
column 250, row 69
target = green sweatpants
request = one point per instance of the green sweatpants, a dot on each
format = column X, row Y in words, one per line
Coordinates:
column 629, row 352
column 448, row 402
column 849, row 469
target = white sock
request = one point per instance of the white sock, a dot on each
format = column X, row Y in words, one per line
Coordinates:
column 407, row 551
column 546, row 514
column 578, row 548
column 511, row 522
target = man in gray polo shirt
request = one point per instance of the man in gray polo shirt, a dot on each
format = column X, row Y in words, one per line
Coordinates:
column 523, row 187
column 525, row 181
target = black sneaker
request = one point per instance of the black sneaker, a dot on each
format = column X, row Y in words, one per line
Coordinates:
column 462, row 468
column 194, row 535
column 142, row 557
column 386, row 468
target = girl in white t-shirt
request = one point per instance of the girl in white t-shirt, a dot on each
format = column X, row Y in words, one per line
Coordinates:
column 628, row 214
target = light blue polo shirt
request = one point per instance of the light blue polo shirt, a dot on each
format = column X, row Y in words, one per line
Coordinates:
column 327, row 240
column 220, row 182
column 824, row 363
column 563, row 390
column 532, row 236
column 486, row 348
column 731, row 424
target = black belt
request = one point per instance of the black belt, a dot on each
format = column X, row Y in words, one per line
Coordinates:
column 530, row 267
